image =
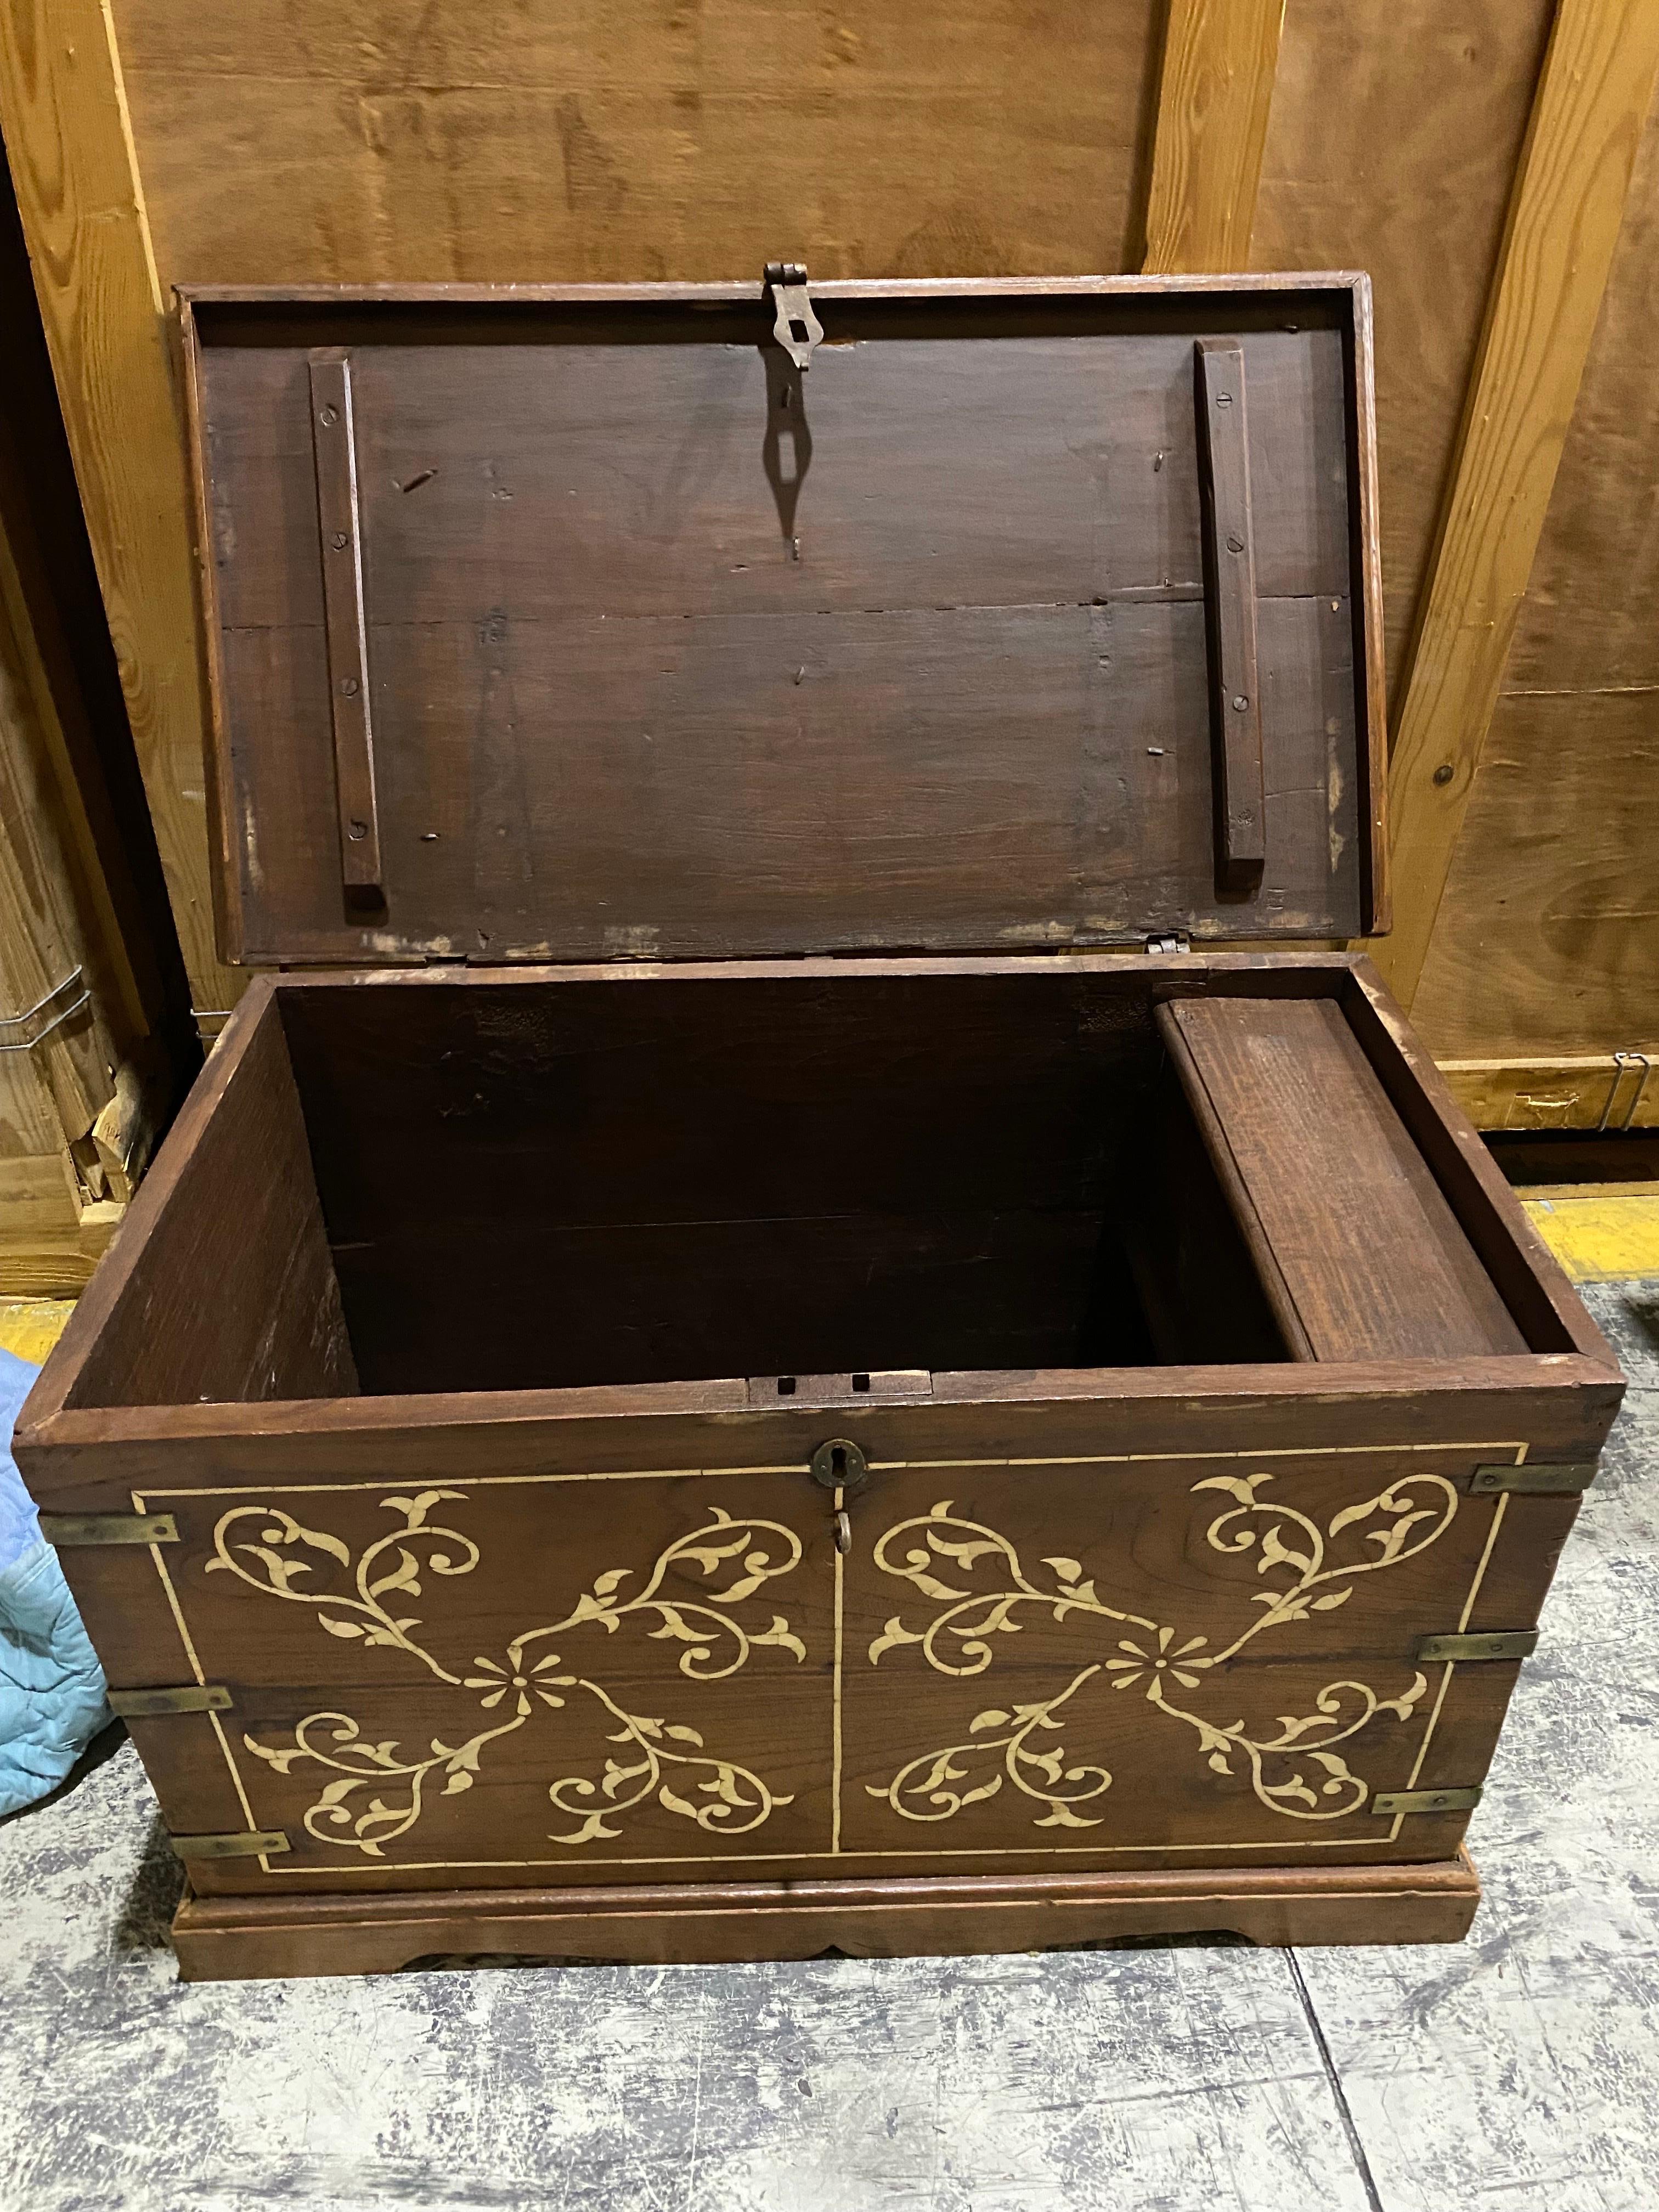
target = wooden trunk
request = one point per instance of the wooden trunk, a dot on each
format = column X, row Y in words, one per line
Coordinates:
column 901, row 1423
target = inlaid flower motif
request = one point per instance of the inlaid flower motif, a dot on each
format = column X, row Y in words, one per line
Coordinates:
column 1154, row 1666
column 495, row 1681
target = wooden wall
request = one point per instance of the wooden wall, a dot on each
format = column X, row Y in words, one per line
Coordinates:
column 537, row 139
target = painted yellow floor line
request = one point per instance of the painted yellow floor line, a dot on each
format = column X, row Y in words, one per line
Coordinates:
column 30, row 1327
column 1598, row 1234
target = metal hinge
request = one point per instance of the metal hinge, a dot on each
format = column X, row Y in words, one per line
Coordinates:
column 1425, row 1801
column 1491, row 1644
column 62, row 1528
column 190, row 1698
column 1562, row 1480
column 796, row 328
column 49, row 1005
column 1174, row 940
column 251, row 1844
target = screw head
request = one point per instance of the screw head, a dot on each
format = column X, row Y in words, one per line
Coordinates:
column 339, row 541
column 328, row 417
column 1234, row 543
column 359, row 830
column 349, row 686
column 1240, row 702
column 1444, row 773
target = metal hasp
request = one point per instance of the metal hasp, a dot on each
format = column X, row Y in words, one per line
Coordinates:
column 189, row 1698
column 839, row 1464
column 1224, row 487
column 63, row 1529
column 797, row 328
column 1491, row 1644
column 334, row 449
column 1537, row 1476
column 1425, row 1801
column 250, row 1843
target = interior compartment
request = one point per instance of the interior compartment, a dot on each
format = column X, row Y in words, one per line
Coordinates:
column 412, row 1186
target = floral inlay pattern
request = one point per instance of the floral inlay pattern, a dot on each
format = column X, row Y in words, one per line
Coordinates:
column 1294, row 1768
column 269, row 1549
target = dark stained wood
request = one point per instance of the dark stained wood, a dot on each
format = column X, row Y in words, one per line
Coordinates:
column 1371, row 1255
column 240, row 1939
column 944, row 705
column 232, row 1295
column 334, row 447
column 1229, row 544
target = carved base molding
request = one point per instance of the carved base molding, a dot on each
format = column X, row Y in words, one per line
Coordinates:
column 250, row 1939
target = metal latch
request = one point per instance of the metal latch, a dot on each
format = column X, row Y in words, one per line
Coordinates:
column 1425, row 1801
column 797, row 328
column 62, row 1528
column 189, row 1698
column 1490, row 1644
column 1174, row 941
column 250, row 1843
column 1562, row 1480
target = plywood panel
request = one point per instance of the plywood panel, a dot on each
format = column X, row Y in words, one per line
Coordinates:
column 1391, row 147
column 390, row 139
column 1548, row 937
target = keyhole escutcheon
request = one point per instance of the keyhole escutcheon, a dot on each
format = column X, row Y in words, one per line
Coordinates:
column 839, row 1464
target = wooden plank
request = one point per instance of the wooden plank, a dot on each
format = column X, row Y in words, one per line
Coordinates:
column 538, row 140
column 951, row 707
column 1563, row 223
column 1230, row 614
column 64, row 113
column 1591, row 1091
column 1371, row 1255
column 1220, row 58
column 334, row 440
column 1447, row 92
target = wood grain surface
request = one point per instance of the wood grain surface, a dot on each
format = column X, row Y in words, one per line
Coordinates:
column 944, row 684
column 242, row 1939
column 1370, row 1254
column 68, row 137
column 1215, row 88
column 1394, row 153
column 1563, row 224
column 1556, row 854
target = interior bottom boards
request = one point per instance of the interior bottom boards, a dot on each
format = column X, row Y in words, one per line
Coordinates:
column 247, row 1939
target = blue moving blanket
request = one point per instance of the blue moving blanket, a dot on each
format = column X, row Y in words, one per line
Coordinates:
column 52, row 1687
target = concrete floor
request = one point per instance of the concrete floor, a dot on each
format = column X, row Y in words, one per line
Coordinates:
column 1519, row 2071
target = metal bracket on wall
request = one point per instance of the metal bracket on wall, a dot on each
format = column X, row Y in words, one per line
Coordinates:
column 1490, row 1644
column 797, row 328
column 189, row 1698
column 250, row 1843
column 49, row 1005
column 62, row 1528
column 1622, row 1063
column 1425, row 1801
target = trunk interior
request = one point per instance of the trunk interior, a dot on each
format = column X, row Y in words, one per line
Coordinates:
column 516, row 1183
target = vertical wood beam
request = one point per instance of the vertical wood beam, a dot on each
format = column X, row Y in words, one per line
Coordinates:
column 1220, row 57
column 64, row 113
column 1565, row 213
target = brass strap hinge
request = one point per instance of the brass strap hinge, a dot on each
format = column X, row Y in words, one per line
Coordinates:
column 1561, row 1479
column 190, row 1698
column 251, row 1844
column 1425, row 1801
column 1491, row 1643
column 62, row 1528
column 796, row 328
